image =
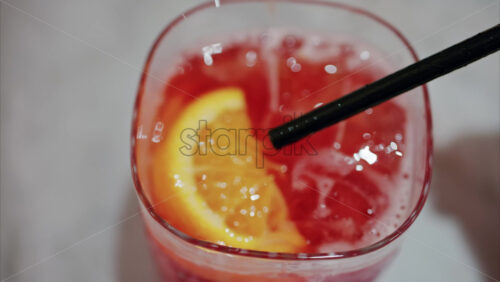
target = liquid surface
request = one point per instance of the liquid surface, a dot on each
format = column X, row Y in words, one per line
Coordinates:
column 344, row 187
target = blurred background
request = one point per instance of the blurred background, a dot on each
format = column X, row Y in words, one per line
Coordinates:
column 69, row 72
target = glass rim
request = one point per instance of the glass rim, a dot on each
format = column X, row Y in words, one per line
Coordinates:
column 273, row 255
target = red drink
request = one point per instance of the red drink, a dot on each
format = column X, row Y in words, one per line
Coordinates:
column 344, row 186
column 237, row 209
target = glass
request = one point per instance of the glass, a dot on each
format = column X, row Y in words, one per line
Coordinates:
column 183, row 258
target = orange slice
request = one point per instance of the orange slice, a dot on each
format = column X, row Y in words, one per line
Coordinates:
column 207, row 183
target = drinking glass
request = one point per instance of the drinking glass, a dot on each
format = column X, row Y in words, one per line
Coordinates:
column 184, row 258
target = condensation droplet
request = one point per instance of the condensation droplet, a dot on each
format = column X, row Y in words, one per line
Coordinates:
column 283, row 168
column 367, row 155
column 221, row 185
column 336, row 145
column 296, row 67
column 208, row 60
column 398, row 137
column 210, row 50
column 394, row 146
column 331, row 69
column 251, row 58
column 365, row 55
column 356, row 157
column 349, row 160
column 291, row 61
column 254, row 197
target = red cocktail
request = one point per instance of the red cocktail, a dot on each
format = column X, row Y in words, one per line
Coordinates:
column 223, row 205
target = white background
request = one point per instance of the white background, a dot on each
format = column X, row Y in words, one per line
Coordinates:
column 69, row 73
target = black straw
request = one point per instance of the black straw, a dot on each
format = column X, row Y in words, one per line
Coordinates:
column 446, row 61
